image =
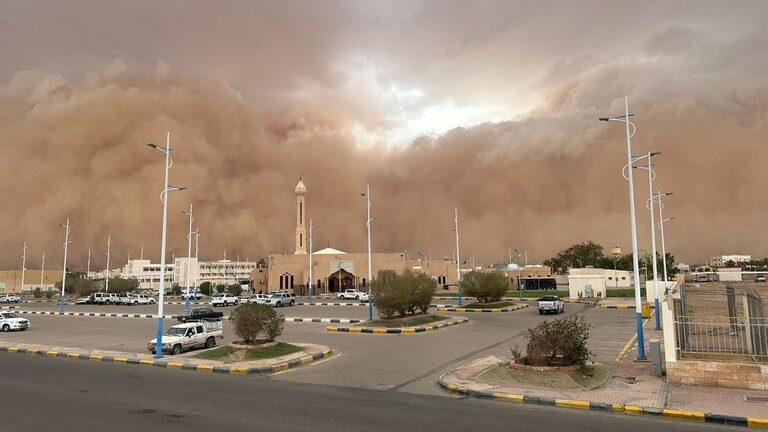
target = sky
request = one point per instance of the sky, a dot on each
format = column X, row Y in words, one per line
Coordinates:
column 489, row 107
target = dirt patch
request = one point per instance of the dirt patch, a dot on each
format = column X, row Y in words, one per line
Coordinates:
column 586, row 378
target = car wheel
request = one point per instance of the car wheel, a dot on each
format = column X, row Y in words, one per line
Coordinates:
column 236, row 302
column 278, row 304
column 541, row 312
column 210, row 342
column 357, row 297
column 151, row 302
column 6, row 328
column 107, row 302
column 135, row 303
column 291, row 302
column 176, row 350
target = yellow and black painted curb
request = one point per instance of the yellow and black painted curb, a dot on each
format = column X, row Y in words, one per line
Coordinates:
column 461, row 309
column 170, row 364
column 383, row 330
column 606, row 407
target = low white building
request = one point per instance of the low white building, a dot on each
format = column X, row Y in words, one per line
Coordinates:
column 222, row 272
column 613, row 278
column 721, row 260
column 586, row 286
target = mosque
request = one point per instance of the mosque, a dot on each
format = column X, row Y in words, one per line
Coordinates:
column 333, row 270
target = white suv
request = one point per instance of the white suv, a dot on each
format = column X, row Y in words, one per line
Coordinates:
column 105, row 298
column 137, row 299
column 9, row 298
column 225, row 299
column 10, row 321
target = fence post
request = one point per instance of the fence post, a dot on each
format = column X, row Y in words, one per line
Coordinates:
column 668, row 327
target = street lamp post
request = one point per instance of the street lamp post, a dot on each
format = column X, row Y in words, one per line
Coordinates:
column 23, row 270
column 458, row 260
column 311, row 228
column 519, row 285
column 649, row 205
column 64, row 269
column 88, row 267
column 638, row 312
column 164, row 199
column 340, row 260
column 42, row 271
column 106, row 277
column 189, row 253
column 367, row 196
column 663, row 246
column 197, row 265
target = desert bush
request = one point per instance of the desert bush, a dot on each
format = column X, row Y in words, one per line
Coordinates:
column 235, row 289
column 250, row 320
column 48, row 294
column 220, row 288
column 206, row 288
column 396, row 294
column 560, row 342
column 487, row 287
column 36, row 293
column 176, row 289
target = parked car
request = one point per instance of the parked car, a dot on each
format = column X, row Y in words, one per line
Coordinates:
column 702, row 278
column 280, row 299
column 350, row 294
column 105, row 298
column 364, row 297
column 188, row 336
column 137, row 299
column 9, row 298
column 194, row 295
column 83, row 300
column 225, row 299
column 10, row 321
column 551, row 303
column 759, row 278
column 197, row 314
column 257, row 298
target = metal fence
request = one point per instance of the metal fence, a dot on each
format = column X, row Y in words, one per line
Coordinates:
column 713, row 337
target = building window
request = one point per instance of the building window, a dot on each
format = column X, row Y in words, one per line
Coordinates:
column 301, row 213
column 363, row 282
column 301, row 240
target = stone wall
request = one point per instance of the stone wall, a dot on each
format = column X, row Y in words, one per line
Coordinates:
column 718, row 374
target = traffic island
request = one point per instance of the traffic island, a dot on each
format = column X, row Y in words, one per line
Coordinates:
column 398, row 328
column 308, row 353
column 491, row 378
column 480, row 307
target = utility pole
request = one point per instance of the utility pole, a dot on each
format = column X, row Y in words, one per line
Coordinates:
column 106, row 277
column 23, row 269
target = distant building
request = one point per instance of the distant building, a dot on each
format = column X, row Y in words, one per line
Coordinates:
column 721, row 260
column 10, row 280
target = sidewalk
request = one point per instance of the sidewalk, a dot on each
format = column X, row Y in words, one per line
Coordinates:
column 631, row 389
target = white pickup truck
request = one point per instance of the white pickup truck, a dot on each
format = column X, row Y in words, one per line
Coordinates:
column 551, row 303
column 350, row 294
column 188, row 336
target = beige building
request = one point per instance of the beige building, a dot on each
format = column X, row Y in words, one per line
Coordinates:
column 334, row 270
column 10, row 280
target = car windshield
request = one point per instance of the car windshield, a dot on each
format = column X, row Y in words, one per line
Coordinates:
column 176, row 331
column 10, row 315
column 186, row 313
column 549, row 298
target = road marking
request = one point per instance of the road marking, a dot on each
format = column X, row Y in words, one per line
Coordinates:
column 629, row 344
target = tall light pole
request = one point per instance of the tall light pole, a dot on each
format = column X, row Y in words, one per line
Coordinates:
column 649, row 205
column 339, row 287
column 197, row 265
column 519, row 285
column 23, row 270
column 189, row 252
column 638, row 312
column 663, row 246
column 164, row 200
column 42, row 271
column 106, row 277
column 311, row 227
column 88, row 268
column 367, row 196
column 64, row 269
column 458, row 260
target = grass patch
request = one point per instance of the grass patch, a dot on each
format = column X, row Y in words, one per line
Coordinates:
column 498, row 305
column 538, row 293
column 623, row 292
column 588, row 377
column 230, row 355
column 408, row 321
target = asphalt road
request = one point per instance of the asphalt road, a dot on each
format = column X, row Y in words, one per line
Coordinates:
column 65, row 395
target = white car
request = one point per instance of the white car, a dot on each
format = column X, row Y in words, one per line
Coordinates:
column 137, row 299
column 9, row 298
column 257, row 298
column 10, row 321
column 280, row 299
column 192, row 295
column 187, row 336
column 225, row 299
column 83, row 300
column 351, row 294
column 551, row 303
column 364, row 297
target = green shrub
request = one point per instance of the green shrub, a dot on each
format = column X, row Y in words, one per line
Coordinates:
column 206, row 288
column 48, row 294
column 176, row 289
column 36, row 293
column 560, row 342
column 235, row 289
column 220, row 288
column 487, row 287
column 399, row 294
column 250, row 320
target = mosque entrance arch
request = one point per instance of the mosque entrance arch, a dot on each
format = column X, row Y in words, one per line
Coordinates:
column 340, row 280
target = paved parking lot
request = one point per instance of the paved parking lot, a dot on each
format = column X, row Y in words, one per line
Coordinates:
column 409, row 363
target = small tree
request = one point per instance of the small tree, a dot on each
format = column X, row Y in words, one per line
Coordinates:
column 391, row 294
column 485, row 286
column 235, row 289
column 36, row 293
column 220, row 288
column 206, row 288
column 176, row 289
column 422, row 290
column 559, row 342
column 250, row 320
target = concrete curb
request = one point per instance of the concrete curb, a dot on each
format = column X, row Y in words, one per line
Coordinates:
column 384, row 330
column 324, row 320
column 232, row 370
column 597, row 406
column 461, row 309
column 330, row 304
column 95, row 314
